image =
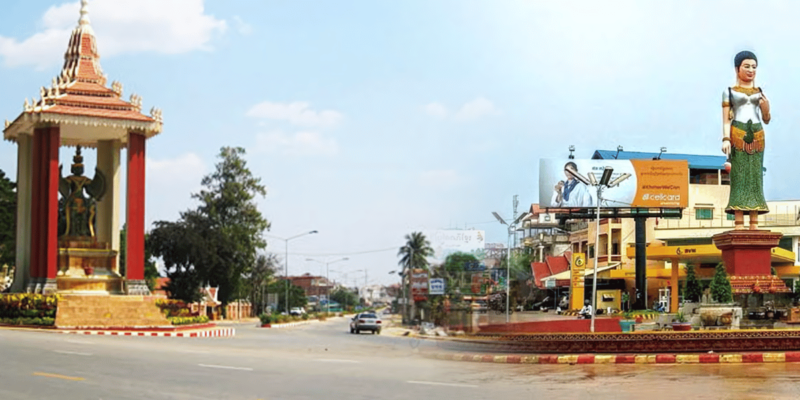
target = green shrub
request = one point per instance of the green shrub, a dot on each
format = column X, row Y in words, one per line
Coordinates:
column 305, row 317
column 202, row 319
column 265, row 319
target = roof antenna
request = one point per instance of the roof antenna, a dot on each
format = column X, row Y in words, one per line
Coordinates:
column 84, row 13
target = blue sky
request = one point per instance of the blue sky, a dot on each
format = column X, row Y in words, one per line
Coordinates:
column 367, row 120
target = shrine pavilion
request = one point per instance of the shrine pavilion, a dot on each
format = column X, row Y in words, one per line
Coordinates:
column 79, row 110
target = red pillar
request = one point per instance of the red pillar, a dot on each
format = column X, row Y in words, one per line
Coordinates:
column 51, row 229
column 36, row 202
column 135, row 204
column 44, row 207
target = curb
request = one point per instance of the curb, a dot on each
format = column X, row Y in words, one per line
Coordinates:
column 573, row 359
column 289, row 325
column 223, row 332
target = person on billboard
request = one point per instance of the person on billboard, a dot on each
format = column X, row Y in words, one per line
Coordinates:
column 574, row 192
column 744, row 108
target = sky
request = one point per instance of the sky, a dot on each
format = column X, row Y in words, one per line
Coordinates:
column 369, row 120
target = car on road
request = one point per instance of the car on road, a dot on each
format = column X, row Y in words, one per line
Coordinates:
column 297, row 311
column 366, row 321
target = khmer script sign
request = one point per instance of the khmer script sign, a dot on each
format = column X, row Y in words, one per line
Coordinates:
column 436, row 286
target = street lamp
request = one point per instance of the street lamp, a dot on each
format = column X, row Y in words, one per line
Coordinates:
column 286, row 262
column 604, row 183
column 327, row 280
column 511, row 228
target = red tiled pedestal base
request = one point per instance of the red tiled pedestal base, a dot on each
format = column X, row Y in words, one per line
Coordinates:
column 747, row 252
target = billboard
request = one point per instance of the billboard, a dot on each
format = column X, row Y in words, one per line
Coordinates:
column 447, row 241
column 634, row 183
column 419, row 284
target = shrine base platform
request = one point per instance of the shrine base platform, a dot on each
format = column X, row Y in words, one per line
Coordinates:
column 97, row 311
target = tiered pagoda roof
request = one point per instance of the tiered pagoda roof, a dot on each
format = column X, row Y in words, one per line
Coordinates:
column 79, row 101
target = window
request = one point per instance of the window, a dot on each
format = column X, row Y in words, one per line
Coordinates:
column 730, row 217
column 704, row 213
column 546, row 218
column 591, row 251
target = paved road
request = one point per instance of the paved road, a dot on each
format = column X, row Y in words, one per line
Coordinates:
column 323, row 361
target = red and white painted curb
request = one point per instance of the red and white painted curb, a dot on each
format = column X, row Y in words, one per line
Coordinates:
column 290, row 324
column 221, row 332
column 572, row 359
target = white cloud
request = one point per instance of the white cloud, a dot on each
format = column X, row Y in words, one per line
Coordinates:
column 436, row 110
column 298, row 143
column 480, row 107
column 242, row 27
column 475, row 109
column 163, row 26
column 187, row 168
column 440, row 178
column 296, row 113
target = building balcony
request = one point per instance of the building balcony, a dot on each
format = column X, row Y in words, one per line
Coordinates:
column 609, row 258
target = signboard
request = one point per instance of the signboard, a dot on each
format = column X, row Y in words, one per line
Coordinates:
column 419, row 284
column 577, row 277
column 447, row 241
column 634, row 183
column 436, row 286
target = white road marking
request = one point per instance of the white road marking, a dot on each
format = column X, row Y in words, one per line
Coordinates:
column 225, row 367
column 78, row 341
column 72, row 352
column 442, row 384
column 336, row 360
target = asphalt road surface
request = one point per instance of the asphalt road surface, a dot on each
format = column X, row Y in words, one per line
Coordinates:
column 324, row 361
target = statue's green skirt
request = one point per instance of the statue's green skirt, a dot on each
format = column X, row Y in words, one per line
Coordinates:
column 747, row 175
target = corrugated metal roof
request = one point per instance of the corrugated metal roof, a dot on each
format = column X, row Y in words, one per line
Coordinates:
column 695, row 161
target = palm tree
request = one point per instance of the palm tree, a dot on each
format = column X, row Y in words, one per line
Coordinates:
column 413, row 255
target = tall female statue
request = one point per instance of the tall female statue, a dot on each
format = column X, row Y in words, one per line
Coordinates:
column 744, row 108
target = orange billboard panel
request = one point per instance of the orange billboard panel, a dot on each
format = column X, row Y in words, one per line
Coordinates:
column 661, row 183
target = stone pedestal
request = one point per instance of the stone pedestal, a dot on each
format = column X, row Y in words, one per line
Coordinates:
column 88, row 267
column 747, row 252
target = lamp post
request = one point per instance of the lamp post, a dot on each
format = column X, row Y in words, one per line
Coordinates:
column 605, row 182
column 511, row 229
column 286, row 262
column 327, row 280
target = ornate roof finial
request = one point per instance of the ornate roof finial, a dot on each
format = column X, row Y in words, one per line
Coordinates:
column 84, row 13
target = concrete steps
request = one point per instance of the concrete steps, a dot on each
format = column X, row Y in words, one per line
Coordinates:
column 77, row 311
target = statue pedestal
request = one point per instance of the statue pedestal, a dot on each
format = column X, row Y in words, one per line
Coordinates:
column 88, row 267
column 748, row 259
column 746, row 252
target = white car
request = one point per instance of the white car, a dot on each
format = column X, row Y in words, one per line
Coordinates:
column 366, row 321
column 297, row 311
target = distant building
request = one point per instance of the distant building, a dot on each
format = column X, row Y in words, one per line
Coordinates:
column 318, row 286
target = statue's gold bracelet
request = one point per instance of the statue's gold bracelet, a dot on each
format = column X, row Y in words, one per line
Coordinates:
column 726, row 139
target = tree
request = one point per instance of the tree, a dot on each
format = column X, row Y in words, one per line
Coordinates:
column 180, row 247
column 344, row 297
column 413, row 255
column 453, row 270
column 297, row 297
column 217, row 243
column 259, row 278
column 693, row 290
column 151, row 273
column 721, row 286
column 8, row 221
